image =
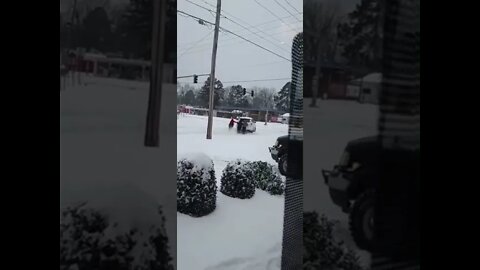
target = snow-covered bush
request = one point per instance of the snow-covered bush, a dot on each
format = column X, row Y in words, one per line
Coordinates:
column 237, row 180
column 196, row 185
column 89, row 239
column 267, row 178
column 321, row 250
column 276, row 186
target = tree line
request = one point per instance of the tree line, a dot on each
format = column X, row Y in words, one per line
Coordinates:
column 233, row 96
column 126, row 29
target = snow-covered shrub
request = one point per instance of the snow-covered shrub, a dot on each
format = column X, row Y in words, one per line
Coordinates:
column 276, row 186
column 237, row 180
column 321, row 250
column 90, row 240
column 196, row 185
column 267, row 178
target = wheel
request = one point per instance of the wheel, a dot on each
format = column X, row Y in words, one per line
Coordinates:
column 244, row 130
column 282, row 164
column 361, row 220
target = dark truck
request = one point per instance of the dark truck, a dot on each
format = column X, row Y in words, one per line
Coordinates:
column 354, row 182
column 288, row 153
column 352, row 187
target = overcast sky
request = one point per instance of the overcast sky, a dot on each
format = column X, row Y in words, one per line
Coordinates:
column 238, row 60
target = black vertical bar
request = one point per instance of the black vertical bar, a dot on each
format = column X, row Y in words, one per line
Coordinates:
column 292, row 245
column 397, row 215
column 156, row 75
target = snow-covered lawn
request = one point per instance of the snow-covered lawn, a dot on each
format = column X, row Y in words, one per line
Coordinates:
column 102, row 157
column 327, row 130
column 239, row 233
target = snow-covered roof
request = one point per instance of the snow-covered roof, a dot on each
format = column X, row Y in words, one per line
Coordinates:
column 286, row 115
column 247, row 118
column 94, row 56
column 373, row 77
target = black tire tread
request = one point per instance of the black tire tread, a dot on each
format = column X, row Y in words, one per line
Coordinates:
column 354, row 218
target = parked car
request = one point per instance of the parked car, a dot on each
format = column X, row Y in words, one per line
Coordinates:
column 285, row 147
column 246, row 124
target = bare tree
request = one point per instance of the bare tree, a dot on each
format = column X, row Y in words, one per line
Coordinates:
column 264, row 98
column 321, row 18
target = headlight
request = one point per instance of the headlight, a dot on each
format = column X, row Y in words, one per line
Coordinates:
column 355, row 166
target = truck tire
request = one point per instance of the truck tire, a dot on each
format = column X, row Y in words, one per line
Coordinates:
column 282, row 164
column 361, row 220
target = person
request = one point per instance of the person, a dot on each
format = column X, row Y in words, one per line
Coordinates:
column 232, row 122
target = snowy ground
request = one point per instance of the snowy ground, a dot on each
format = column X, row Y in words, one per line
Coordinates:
column 101, row 138
column 327, row 130
column 102, row 157
column 239, row 234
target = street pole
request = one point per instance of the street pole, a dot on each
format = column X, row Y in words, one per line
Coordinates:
column 156, row 75
column 212, row 73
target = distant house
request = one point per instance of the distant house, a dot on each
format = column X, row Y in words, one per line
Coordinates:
column 256, row 114
column 333, row 83
column 370, row 87
column 133, row 69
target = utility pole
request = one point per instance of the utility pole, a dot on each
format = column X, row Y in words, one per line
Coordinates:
column 156, row 74
column 212, row 73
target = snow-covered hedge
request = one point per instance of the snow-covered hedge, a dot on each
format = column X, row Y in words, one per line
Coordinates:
column 267, row 178
column 321, row 250
column 196, row 185
column 237, row 180
column 91, row 239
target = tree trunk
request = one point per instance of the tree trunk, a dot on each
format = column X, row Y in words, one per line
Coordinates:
column 317, row 76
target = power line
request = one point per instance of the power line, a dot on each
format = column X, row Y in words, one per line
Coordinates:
column 205, row 46
column 224, row 11
column 209, row 10
column 232, row 38
column 273, row 14
column 228, row 31
column 196, row 43
column 249, row 41
column 254, row 26
column 286, row 10
column 292, row 6
column 261, row 80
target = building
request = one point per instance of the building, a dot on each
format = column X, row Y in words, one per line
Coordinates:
column 116, row 67
column 370, row 87
column 256, row 114
column 333, row 82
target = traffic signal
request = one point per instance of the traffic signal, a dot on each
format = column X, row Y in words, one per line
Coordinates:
column 252, row 93
column 244, row 91
column 195, row 78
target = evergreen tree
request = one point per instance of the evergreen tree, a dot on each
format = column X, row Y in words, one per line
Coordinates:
column 361, row 36
column 282, row 99
column 189, row 98
column 137, row 29
column 97, row 31
column 203, row 95
column 236, row 98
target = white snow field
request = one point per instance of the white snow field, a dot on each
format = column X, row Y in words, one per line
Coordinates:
column 239, row 234
column 327, row 130
column 102, row 157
